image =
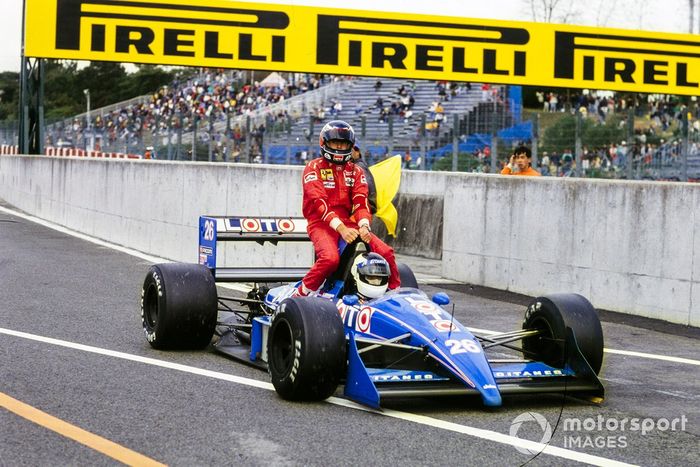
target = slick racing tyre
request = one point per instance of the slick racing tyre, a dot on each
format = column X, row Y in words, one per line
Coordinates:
column 408, row 279
column 552, row 314
column 179, row 306
column 306, row 349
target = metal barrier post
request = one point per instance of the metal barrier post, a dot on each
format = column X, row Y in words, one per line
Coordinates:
column 288, row 128
column 578, row 149
column 455, row 141
column 229, row 137
column 630, row 143
column 247, row 138
column 179, row 135
column 685, row 147
column 194, row 136
column 170, row 138
column 535, row 139
column 391, row 134
column 210, row 152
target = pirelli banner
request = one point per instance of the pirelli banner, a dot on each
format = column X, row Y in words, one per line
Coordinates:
column 230, row 34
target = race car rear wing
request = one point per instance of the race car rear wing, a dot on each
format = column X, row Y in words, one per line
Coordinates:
column 214, row 229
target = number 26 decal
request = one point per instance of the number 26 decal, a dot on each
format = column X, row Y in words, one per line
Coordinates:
column 462, row 346
column 208, row 230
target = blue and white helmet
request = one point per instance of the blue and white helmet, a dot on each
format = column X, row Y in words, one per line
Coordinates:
column 371, row 273
column 340, row 131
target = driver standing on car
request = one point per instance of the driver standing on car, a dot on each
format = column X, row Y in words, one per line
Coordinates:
column 334, row 190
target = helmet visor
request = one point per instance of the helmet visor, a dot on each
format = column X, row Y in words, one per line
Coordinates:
column 339, row 132
column 374, row 272
column 339, row 144
column 375, row 280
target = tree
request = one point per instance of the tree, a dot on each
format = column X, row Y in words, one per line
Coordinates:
column 552, row 11
column 146, row 80
column 64, row 83
column 59, row 83
column 9, row 95
column 562, row 135
column 106, row 82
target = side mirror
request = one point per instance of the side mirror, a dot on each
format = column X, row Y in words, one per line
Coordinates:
column 351, row 300
column 441, row 298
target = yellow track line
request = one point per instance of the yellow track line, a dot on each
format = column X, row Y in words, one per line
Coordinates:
column 105, row 446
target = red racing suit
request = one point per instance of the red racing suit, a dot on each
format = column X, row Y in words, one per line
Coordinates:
column 332, row 194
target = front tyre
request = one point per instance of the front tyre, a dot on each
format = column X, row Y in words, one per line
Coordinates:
column 551, row 315
column 306, row 349
column 179, row 306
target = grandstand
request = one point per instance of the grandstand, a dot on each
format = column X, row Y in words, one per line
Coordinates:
column 210, row 117
column 278, row 123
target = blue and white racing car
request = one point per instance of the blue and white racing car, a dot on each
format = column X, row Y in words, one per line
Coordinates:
column 400, row 345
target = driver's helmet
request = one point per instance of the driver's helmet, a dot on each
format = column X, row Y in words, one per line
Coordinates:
column 371, row 273
column 337, row 130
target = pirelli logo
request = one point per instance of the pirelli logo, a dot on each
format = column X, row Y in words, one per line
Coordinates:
column 232, row 34
column 628, row 59
column 421, row 45
column 170, row 32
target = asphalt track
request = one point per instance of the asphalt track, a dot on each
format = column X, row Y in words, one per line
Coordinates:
column 71, row 346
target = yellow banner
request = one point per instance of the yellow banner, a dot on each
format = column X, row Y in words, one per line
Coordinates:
column 231, row 34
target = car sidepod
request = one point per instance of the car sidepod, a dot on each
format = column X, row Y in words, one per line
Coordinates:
column 405, row 345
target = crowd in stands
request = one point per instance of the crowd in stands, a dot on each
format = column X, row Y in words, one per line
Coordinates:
column 661, row 109
column 212, row 96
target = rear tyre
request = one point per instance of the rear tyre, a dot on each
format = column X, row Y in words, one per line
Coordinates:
column 179, row 306
column 306, row 349
column 552, row 314
column 408, row 279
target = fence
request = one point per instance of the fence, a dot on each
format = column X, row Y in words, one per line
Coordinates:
column 9, row 133
column 628, row 144
column 574, row 146
column 650, row 139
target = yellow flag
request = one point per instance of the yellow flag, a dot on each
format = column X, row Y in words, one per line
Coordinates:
column 387, row 178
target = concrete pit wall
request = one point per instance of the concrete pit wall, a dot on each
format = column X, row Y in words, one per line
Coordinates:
column 627, row 246
column 154, row 206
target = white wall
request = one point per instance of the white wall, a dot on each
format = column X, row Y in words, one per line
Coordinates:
column 154, row 206
column 627, row 246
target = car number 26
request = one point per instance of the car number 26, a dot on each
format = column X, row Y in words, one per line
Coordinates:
column 209, row 230
column 462, row 346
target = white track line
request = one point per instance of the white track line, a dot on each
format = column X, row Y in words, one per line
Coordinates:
column 630, row 353
column 665, row 358
column 409, row 417
column 243, row 288
column 87, row 238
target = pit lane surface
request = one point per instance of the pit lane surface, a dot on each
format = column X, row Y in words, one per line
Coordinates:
column 210, row 410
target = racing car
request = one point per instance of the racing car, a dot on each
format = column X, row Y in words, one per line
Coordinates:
column 399, row 345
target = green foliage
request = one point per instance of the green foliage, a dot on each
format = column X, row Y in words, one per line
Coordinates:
column 466, row 162
column 9, row 95
column 105, row 80
column 146, row 80
column 59, row 83
column 561, row 135
column 64, row 83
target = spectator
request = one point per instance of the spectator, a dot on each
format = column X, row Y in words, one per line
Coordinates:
column 567, row 163
column 544, row 163
column 520, row 163
column 358, row 107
